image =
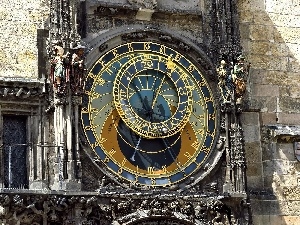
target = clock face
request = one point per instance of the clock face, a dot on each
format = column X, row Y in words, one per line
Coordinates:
column 149, row 114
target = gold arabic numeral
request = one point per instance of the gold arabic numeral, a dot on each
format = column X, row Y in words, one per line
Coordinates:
column 130, row 48
column 183, row 75
column 92, row 94
column 201, row 83
column 211, row 116
column 200, row 131
column 106, row 160
column 100, row 80
column 115, row 52
column 194, row 124
column 164, row 169
column 120, row 170
column 162, row 59
column 205, row 150
column 191, row 68
column 182, row 91
column 146, row 46
column 162, row 49
column 200, row 117
column 177, row 57
column 91, row 75
column 153, row 181
column 147, row 63
column 208, row 99
column 200, row 103
column 195, row 145
column 94, row 145
column 102, row 140
column 150, row 170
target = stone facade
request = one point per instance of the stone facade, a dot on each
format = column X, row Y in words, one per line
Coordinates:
column 269, row 34
column 21, row 23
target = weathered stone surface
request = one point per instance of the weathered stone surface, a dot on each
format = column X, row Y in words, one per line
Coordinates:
column 257, row 34
column 282, row 167
column 268, row 118
column 253, row 152
column 250, row 118
column 279, row 6
column 251, row 133
column 289, row 118
column 265, row 90
column 266, row 207
column 284, row 151
column 264, row 104
column 254, row 6
column 254, row 169
column 254, row 182
column 19, row 24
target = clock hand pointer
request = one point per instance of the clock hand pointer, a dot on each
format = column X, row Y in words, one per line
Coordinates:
column 157, row 92
column 170, row 150
column 135, row 149
column 140, row 96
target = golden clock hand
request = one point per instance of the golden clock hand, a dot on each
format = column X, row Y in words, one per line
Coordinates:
column 157, row 92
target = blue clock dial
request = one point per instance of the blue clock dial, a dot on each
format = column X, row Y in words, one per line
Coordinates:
column 149, row 114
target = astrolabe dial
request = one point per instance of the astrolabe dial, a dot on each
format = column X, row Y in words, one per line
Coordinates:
column 154, row 100
column 148, row 114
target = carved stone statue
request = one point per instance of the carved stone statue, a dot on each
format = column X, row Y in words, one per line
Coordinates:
column 239, row 76
column 77, row 69
column 232, row 79
column 225, row 80
column 58, row 62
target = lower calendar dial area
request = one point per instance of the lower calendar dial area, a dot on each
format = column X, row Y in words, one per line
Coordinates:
column 159, row 161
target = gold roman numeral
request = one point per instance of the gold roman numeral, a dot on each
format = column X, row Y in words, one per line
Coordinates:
column 195, row 145
column 188, row 155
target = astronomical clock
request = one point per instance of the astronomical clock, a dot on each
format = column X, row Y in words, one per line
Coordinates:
column 149, row 114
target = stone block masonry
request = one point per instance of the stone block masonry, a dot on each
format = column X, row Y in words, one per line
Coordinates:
column 19, row 22
column 270, row 32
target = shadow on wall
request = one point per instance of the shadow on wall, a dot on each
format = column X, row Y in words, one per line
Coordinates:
column 270, row 32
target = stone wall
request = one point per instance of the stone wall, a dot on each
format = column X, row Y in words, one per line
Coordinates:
column 270, row 32
column 19, row 25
